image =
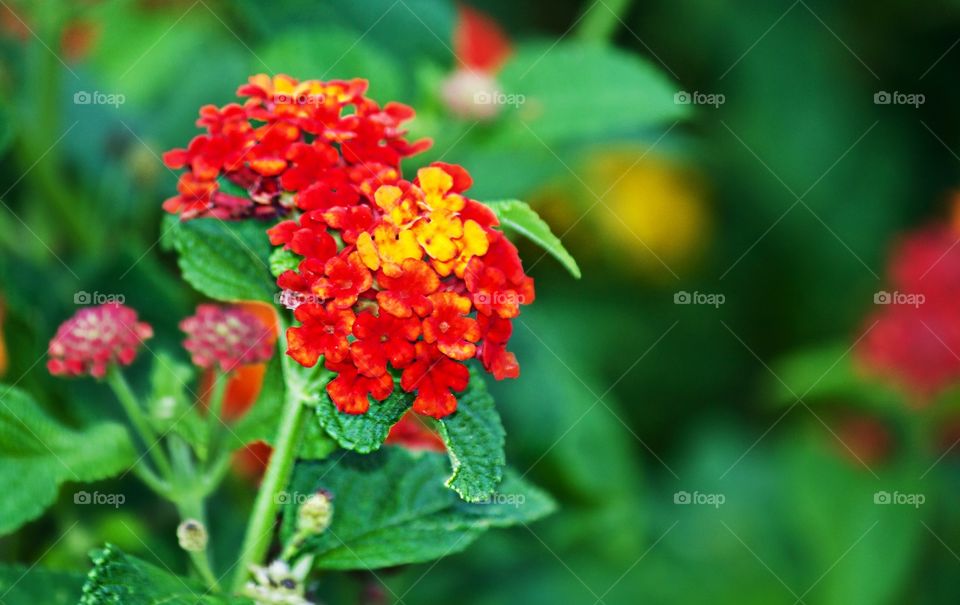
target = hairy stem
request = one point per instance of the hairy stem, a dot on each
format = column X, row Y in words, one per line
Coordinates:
column 215, row 423
column 260, row 529
column 130, row 404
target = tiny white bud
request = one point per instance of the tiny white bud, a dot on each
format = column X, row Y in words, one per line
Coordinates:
column 192, row 536
column 315, row 514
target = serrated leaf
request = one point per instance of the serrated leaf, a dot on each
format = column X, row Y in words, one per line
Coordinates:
column 366, row 432
column 523, row 219
column 119, row 578
column 550, row 110
column 391, row 508
column 475, row 438
column 38, row 586
column 315, row 444
column 226, row 261
column 39, row 454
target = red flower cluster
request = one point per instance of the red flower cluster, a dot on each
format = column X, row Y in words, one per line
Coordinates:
column 409, row 276
column 94, row 338
column 291, row 144
column 917, row 328
column 228, row 336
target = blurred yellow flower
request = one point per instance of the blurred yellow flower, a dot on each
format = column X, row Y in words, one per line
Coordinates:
column 656, row 210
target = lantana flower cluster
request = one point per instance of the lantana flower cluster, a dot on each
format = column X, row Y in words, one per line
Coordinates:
column 94, row 338
column 395, row 277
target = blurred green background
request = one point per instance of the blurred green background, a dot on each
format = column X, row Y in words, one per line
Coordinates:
column 782, row 202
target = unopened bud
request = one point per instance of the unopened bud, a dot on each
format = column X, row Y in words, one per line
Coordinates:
column 192, row 536
column 315, row 514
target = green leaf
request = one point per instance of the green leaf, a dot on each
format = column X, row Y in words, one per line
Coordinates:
column 551, row 110
column 518, row 216
column 391, row 508
column 363, row 433
column 331, row 51
column 38, row 586
column 315, row 444
column 119, row 578
column 39, row 454
column 262, row 419
column 224, row 260
column 281, row 260
column 475, row 439
column 830, row 374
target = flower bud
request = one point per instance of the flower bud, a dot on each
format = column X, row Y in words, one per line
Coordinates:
column 192, row 536
column 315, row 514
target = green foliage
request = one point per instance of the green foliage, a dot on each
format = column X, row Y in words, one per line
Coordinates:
column 39, row 454
column 332, row 51
column 261, row 420
column 391, row 508
column 427, row 24
column 119, row 578
column 568, row 95
column 474, row 437
column 830, row 373
column 362, row 433
column 282, row 259
column 226, row 261
column 518, row 216
column 172, row 405
column 36, row 586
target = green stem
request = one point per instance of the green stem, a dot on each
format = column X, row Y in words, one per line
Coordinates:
column 214, row 411
column 129, row 402
column 189, row 499
column 265, row 508
column 602, row 20
column 158, row 485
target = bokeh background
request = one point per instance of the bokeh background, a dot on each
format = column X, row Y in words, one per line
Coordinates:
column 739, row 402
